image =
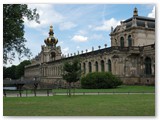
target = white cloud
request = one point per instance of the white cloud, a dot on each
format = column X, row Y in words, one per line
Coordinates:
column 82, row 32
column 96, row 37
column 65, row 51
column 67, row 25
column 90, row 26
column 77, row 47
column 79, row 38
column 61, row 42
column 48, row 16
column 106, row 26
column 152, row 14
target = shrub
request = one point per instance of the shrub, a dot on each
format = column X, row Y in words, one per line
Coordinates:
column 98, row 80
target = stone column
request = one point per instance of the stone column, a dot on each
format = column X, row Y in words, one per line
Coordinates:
column 105, row 66
column 53, row 70
column 42, row 71
column 87, row 67
column 49, row 71
column 46, row 71
column 84, row 69
column 94, row 66
column 99, row 65
column 56, row 71
column 115, row 67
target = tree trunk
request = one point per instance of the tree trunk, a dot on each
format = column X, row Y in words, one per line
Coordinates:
column 69, row 89
column 74, row 88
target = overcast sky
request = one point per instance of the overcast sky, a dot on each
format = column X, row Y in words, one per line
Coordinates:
column 79, row 26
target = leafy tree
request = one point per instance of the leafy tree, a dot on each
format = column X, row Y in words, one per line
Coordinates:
column 15, row 72
column 13, row 30
column 9, row 72
column 72, row 72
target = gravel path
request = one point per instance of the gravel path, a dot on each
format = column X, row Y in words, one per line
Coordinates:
column 51, row 94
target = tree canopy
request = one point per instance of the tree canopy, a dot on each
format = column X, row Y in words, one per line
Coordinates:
column 13, row 30
column 15, row 72
column 72, row 72
column 9, row 72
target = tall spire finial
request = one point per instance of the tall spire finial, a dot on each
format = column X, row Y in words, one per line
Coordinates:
column 51, row 31
column 135, row 12
column 51, row 27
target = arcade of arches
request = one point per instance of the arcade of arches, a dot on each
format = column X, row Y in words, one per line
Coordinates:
column 131, row 55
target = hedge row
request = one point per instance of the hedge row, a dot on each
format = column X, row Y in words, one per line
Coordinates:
column 101, row 80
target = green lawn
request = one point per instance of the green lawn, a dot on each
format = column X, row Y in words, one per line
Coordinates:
column 88, row 105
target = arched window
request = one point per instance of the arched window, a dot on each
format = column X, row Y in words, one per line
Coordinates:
column 148, row 69
column 96, row 66
column 129, row 41
column 90, row 67
column 122, row 42
column 102, row 66
column 109, row 66
column 84, row 68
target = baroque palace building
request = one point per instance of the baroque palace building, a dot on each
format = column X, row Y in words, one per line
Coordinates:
column 130, row 57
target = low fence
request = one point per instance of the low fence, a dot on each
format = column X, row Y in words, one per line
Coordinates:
column 51, row 92
column 27, row 92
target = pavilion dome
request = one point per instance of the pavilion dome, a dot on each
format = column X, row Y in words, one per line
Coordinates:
column 51, row 40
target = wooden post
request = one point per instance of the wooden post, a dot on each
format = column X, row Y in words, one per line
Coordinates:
column 47, row 92
column 26, row 93
column 69, row 89
column 35, row 92
column 20, row 93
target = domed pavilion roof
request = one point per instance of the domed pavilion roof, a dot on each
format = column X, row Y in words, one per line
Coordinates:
column 51, row 40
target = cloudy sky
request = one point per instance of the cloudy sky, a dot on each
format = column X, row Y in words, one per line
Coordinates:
column 79, row 26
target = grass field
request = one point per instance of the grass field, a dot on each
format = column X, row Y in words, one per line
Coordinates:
column 88, row 105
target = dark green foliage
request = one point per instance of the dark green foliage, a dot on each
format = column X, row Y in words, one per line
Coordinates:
column 101, row 80
column 15, row 72
column 72, row 71
column 13, row 30
column 10, row 72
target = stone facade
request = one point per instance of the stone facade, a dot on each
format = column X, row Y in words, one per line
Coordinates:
column 130, row 57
